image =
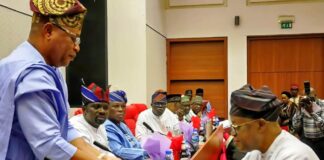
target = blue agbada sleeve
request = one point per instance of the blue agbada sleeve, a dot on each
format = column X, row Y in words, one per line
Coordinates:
column 117, row 147
column 72, row 133
column 125, row 153
column 42, row 130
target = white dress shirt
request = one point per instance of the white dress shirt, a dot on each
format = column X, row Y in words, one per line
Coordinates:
column 90, row 133
column 284, row 147
column 168, row 121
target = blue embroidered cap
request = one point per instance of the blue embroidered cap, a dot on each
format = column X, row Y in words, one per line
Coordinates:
column 94, row 93
column 118, row 96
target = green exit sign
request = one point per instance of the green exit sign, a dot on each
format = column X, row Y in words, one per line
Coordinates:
column 286, row 25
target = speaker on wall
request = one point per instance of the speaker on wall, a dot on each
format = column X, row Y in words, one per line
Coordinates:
column 237, row 20
column 91, row 62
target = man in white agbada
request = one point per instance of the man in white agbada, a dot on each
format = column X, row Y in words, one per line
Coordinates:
column 254, row 115
column 157, row 118
column 90, row 123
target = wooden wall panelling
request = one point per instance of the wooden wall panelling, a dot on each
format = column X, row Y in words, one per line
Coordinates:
column 197, row 60
column 279, row 61
column 214, row 91
column 199, row 63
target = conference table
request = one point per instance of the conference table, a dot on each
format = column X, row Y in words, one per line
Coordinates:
column 211, row 149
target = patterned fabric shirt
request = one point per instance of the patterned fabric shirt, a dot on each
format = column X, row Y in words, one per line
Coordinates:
column 312, row 124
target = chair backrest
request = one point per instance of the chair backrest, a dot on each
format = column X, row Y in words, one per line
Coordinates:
column 140, row 108
column 78, row 111
column 131, row 124
column 131, row 113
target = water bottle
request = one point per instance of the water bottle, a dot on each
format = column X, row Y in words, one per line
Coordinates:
column 215, row 121
column 185, row 152
column 168, row 155
column 202, row 128
column 195, row 139
column 202, row 133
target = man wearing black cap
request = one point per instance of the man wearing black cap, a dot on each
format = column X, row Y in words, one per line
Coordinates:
column 254, row 114
column 188, row 93
column 33, row 94
column 173, row 102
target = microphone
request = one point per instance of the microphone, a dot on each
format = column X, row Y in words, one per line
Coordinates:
column 101, row 146
column 148, row 127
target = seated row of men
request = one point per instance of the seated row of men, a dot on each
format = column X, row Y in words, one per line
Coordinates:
column 102, row 122
column 112, row 136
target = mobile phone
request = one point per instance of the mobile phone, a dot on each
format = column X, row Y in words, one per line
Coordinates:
column 307, row 87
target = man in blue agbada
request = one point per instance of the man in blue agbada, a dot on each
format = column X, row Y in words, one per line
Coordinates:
column 121, row 140
column 33, row 95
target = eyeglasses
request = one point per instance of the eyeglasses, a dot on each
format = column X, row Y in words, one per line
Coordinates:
column 76, row 39
column 235, row 128
column 159, row 104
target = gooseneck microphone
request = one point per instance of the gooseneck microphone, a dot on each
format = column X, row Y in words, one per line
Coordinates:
column 148, row 127
column 101, row 146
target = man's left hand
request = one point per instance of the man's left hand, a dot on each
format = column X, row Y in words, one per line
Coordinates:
column 109, row 157
column 180, row 113
column 309, row 108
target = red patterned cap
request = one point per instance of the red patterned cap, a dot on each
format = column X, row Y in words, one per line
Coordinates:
column 294, row 86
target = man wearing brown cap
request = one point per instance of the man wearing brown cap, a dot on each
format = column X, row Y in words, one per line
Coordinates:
column 158, row 118
column 33, row 95
column 254, row 114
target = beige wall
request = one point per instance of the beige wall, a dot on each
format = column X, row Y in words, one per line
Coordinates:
column 14, row 26
column 155, row 15
column 156, row 63
column 155, row 47
column 127, row 48
column 136, row 52
column 19, row 5
column 255, row 20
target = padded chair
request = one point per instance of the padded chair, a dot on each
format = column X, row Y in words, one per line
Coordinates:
column 78, row 111
column 131, row 113
column 140, row 108
column 130, row 120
